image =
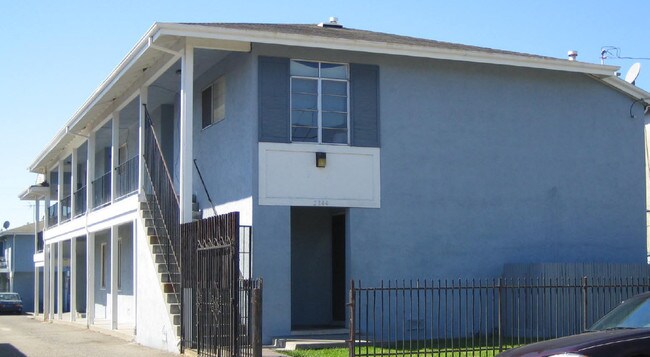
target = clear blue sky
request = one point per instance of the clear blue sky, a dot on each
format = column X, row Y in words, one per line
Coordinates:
column 55, row 53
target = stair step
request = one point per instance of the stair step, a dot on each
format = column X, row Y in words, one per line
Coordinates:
column 174, row 308
column 171, row 287
column 197, row 214
column 160, row 258
column 176, row 319
column 157, row 248
column 172, row 298
column 170, row 277
column 151, row 231
column 154, row 239
column 153, row 222
column 172, row 268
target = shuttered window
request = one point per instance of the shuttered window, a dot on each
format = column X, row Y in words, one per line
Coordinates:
column 318, row 102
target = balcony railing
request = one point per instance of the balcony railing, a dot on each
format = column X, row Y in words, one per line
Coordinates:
column 53, row 214
column 80, row 201
column 66, row 208
column 127, row 177
column 102, row 190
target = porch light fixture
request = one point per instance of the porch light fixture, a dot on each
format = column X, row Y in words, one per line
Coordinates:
column 321, row 159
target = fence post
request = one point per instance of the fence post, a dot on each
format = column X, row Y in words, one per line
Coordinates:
column 351, row 305
column 499, row 327
column 257, row 320
column 584, row 303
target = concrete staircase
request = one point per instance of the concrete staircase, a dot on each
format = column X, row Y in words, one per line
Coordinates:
column 169, row 275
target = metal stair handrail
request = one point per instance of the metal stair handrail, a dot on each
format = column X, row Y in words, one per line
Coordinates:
column 165, row 200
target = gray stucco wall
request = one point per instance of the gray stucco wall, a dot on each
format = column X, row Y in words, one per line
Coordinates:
column 481, row 165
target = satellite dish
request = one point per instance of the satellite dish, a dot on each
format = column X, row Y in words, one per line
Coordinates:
column 632, row 73
column 5, row 225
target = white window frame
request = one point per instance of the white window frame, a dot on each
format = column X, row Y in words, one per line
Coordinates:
column 212, row 87
column 319, row 99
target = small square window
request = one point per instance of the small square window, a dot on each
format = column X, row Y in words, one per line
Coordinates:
column 213, row 103
column 103, row 265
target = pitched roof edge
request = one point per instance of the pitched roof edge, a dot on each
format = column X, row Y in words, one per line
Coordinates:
column 468, row 54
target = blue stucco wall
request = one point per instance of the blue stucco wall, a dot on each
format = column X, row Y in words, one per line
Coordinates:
column 484, row 165
column 224, row 151
column 481, row 165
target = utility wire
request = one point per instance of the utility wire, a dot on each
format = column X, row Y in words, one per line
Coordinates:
column 613, row 51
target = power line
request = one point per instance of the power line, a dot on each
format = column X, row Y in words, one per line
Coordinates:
column 615, row 52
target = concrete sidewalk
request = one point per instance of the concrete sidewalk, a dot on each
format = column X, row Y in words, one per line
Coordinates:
column 22, row 335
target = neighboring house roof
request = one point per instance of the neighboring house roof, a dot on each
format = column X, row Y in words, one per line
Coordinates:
column 26, row 229
column 163, row 39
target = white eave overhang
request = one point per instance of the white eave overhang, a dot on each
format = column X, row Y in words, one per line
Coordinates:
column 241, row 40
column 34, row 193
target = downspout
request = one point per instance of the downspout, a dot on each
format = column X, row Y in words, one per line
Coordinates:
column 13, row 264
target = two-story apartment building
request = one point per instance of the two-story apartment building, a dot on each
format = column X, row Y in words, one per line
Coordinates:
column 17, row 248
column 352, row 154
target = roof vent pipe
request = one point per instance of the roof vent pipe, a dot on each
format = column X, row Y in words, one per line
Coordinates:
column 333, row 23
column 573, row 55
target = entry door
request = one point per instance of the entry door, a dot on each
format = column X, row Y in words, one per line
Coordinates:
column 338, row 267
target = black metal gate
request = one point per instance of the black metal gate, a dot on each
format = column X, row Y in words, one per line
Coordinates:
column 217, row 299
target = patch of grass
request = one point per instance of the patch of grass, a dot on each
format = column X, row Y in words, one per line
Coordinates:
column 376, row 351
column 326, row 352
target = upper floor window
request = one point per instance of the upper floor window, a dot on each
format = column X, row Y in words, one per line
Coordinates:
column 319, row 102
column 213, row 103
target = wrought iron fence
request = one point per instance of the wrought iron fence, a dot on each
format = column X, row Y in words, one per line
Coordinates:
column 80, row 201
column 451, row 317
column 221, row 304
column 102, row 190
column 127, row 177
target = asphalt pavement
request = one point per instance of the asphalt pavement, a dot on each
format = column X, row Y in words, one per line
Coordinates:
column 22, row 335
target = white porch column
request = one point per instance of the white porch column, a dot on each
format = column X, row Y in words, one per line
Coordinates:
column 37, row 279
column 115, row 147
column 90, row 279
column 59, row 279
column 47, row 204
column 46, row 281
column 114, row 273
column 73, row 182
column 73, row 279
column 134, row 285
column 186, row 147
column 59, row 193
column 51, row 278
column 144, row 96
column 90, row 172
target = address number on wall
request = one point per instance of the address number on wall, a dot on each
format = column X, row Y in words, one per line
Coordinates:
column 321, row 203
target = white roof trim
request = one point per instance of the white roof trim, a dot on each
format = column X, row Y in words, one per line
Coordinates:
column 205, row 31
